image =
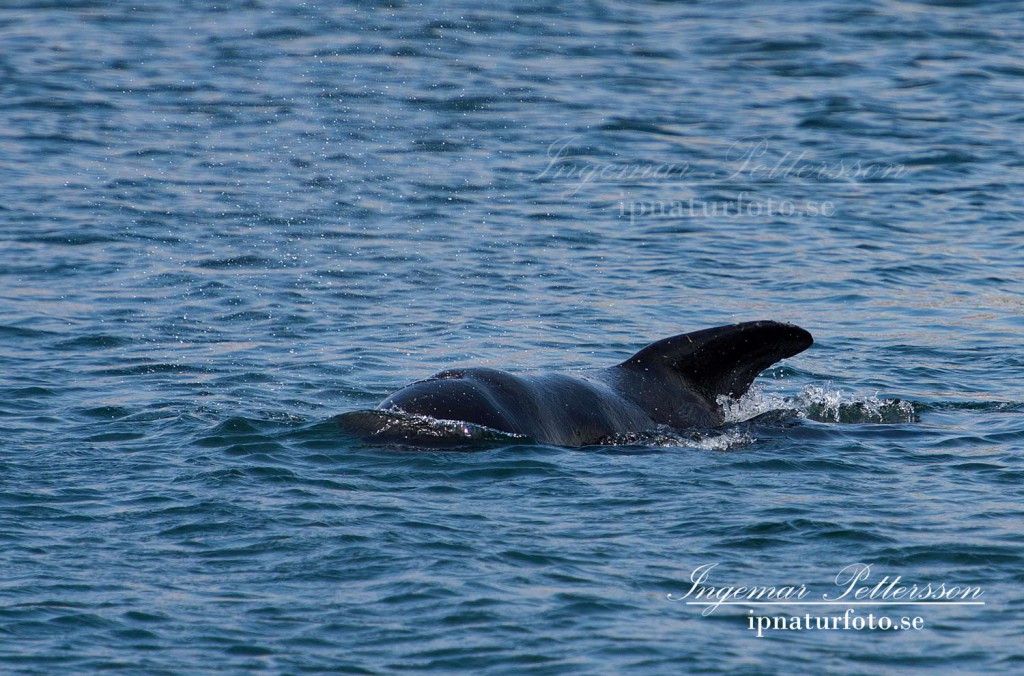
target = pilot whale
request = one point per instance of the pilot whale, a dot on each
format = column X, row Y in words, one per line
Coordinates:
column 674, row 382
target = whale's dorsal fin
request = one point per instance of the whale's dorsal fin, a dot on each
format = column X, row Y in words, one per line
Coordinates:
column 723, row 360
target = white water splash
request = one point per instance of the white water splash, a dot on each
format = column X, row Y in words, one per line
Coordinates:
column 752, row 404
column 831, row 405
column 821, row 403
column 724, row 442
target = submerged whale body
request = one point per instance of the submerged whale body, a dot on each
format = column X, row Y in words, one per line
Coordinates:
column 674, row 382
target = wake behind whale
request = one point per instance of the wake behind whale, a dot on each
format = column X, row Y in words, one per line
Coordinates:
column 674, row 383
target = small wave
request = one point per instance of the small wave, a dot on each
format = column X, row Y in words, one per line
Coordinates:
column 666, row 437
column 235, row 262
column 93, row 341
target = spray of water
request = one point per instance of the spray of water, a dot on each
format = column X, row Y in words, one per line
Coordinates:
column 821, row 403
column 666, row 437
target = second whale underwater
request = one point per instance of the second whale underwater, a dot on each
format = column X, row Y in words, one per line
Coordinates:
column 673, row 382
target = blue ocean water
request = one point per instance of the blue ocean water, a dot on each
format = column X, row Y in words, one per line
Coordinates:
column 223, row 223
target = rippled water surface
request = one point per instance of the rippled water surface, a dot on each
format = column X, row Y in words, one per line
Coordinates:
column 225, row 223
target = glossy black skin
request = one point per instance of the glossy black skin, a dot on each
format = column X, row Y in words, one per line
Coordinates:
column 557, row 409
